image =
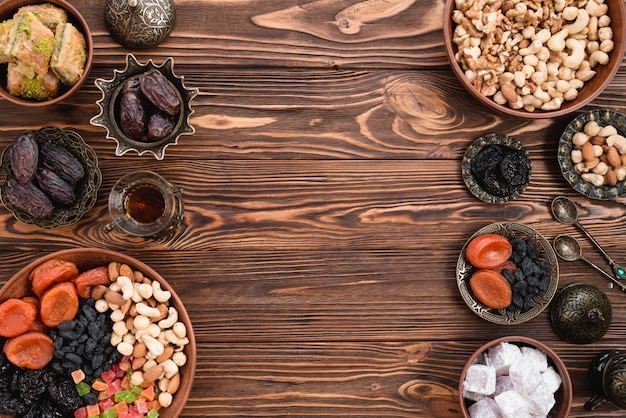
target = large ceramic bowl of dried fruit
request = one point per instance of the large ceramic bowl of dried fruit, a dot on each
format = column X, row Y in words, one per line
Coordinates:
column 46, row 51
column 64, row 185
column 496, row 168
column 85, row 343
column 592, row 154
column 507, row 273
column 515, row 376
column 145, row 108
column 514, row 67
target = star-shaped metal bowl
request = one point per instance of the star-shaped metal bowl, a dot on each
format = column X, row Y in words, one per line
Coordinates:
column 109, row 116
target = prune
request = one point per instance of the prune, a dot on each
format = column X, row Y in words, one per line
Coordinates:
column 32, row 384
column 500, row 170
column 45, row 409
column 55, row 187
column 159, row 126
column 29, row 198
column 160, row 92
column 62, row 162
column 132, row 115
column 11, row 405
column 63, row 393
column 24, row 157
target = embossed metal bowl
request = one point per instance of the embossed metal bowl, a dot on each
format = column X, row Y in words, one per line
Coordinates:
column 581, row 313
column 603, row 117
column 7, row 10
column 564, row 394
column 591, row 89
column 19, row 286
column 86, row 190
column 109, row 116
column 464, row 271
column 474, row 185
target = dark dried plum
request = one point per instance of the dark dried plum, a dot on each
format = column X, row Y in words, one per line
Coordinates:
column 500, row 170
column 24, row 157
column 32, row 384
column 63, row 393
column 11, row 405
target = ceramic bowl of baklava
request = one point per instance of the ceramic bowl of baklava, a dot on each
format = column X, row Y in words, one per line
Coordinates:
column 46, row 51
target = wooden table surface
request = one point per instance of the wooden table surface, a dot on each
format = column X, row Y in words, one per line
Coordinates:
column 324, row 208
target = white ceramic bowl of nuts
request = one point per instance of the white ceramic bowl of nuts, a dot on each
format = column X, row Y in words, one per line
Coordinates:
column 153, row 336
column 592, row 154
column 534, row 59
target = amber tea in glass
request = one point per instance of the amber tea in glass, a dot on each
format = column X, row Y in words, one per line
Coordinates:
column 144, row 204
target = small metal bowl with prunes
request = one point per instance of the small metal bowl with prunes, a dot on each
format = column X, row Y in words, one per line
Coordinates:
column 496, row 168
column 145, row 107
column 51, row 177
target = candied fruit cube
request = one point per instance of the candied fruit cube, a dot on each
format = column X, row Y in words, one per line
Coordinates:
column 480, row 379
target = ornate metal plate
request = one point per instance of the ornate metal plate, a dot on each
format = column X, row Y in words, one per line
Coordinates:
column 473, row 150
column 86, row 189
column 464, row 271
column 604, row 117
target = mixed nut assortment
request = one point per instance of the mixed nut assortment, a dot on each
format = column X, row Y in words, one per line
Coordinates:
column 599, row 154
column 531, row 55
column 45, row 176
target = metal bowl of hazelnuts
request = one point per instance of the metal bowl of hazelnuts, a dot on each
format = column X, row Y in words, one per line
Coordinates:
column 534, row 62
column 592, row 154
column 145, row 107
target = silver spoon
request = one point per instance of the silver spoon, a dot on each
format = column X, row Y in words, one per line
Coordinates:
column 564, row 210
column 568, row 248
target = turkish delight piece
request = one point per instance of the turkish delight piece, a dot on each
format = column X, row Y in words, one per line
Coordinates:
column 513, row 404
column 480, row 379
column 552, row 379
column 502, row 355
column 485, row 408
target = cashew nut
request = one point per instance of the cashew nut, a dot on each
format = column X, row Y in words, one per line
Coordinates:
column 598, row 57
column 581, row 22
column 153, row 345
column 160, row 294
column 557, row 41
column 593, row 178
column 174, row 339
column 617, row 141
column 577, row 56
column 169, row 368
column 126, row 286
column 171, row 319
column 143, row 309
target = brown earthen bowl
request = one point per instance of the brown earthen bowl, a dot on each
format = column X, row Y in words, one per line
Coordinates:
column 7, row 10
column 87, row 258
column 590, row 90
column 564, row 394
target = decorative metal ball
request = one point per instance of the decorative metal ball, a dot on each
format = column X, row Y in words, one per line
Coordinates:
column 581, row 313
column 140, row 24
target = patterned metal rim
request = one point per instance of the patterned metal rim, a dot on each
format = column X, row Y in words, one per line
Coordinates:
column 86, row 190
column 603, row 117
column 473, row 150
column 464, row 271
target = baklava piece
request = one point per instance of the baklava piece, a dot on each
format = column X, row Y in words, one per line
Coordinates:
column 37, row 88
column 69, row 56
column 47, row 13
column 33, row 46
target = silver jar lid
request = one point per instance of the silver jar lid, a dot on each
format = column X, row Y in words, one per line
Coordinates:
column 140, row 24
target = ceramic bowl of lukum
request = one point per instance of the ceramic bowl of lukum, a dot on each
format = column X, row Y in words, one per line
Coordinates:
column 86, row 259
column 600, row 171
column 112, row 106
column 483, row 62
column 515, row 362
column 57, row 22
column 538, row 277
column 86, row 189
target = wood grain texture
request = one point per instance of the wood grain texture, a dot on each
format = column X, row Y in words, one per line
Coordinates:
column 324, row 207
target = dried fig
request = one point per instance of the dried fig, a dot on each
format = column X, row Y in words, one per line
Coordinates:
column 62, row 162
column 160, row 92
column 24, row 157
column 29, row 198
column 55, row 187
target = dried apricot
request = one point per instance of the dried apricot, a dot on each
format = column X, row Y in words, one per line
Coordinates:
column 51, row 272
column 90, row 278
column 488, row 251
column 32, row 350
column 58, row 304
column 491, row 289
column 16, row 317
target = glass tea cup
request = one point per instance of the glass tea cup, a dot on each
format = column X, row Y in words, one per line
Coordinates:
column 144, row 204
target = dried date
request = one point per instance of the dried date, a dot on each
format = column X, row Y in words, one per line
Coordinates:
column 62, row 162
column 24, row 157
column 132, row 114
column 55, row 187
column 29, row 198
column 160, row 92
column 159, row 126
